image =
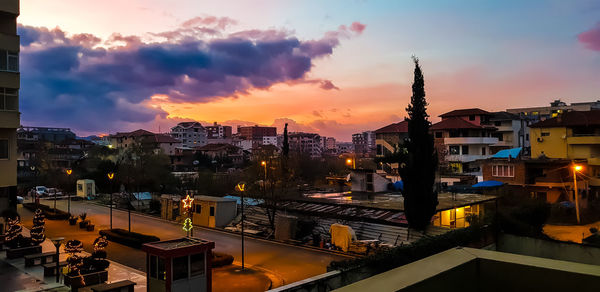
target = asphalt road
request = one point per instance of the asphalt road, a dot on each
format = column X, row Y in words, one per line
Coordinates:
column 291, row 263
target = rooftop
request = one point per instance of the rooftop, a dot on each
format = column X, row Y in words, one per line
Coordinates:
column 454, row 123
column 465, row 112
column 401, row 127
column 136, row 133
column 571, row 119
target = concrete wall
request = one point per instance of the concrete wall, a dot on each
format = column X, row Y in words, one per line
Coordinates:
column 572, row 252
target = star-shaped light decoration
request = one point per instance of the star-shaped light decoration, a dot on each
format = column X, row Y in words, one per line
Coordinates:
column 187, row 202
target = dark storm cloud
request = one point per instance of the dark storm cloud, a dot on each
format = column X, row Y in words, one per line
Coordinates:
column 71, row 81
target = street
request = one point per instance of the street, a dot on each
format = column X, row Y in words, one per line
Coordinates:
column 289, row 263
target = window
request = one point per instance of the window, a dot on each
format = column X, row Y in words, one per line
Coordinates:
column 465, row 150
column 197, row 264
column 4, row 149
column 379, row 149
column 483, row 151
column 526, row 137
column 503, row 170
column 180, row 268
column 471, row 117
column 198, row 208
column 497, row 123
column 545, row 134
column 9, row 61
column 152, row 266
column 438, row 134
column 212, row 211
column 454, row 150
column 9, row 99
column 161, row 269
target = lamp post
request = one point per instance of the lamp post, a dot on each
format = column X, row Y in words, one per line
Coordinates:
column 57, row 241
column 241, row 187
column 351, row 162
column 110, row 176
column 68, row 171
column 576, row 168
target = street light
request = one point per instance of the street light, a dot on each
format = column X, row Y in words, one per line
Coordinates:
column 351, row 162
column 110, row 176
column 264, row 165
column 576, row 168
column 68, row 171
column 57, row 241
column 241, row 187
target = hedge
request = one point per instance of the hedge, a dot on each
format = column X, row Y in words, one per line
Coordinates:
column 48, row 211
column 220, row 259
column 124, row 237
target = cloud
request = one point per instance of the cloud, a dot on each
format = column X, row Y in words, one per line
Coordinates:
column 85, row 83
column 591, row 38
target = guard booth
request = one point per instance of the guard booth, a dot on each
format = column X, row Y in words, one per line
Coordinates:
column 179, row 265
column 213, row 211
column 86, row 188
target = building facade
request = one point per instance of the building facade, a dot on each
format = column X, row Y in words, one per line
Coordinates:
column 536, row 114
column 511, row 130
column 256, row 132
column 462, row 138
column 217, row 131
column 191, row 134
column 364, row 143
column 9, row 102
column 305, row 143
column 47, row 134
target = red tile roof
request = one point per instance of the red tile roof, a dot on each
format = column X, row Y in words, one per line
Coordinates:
column 465, row 112
column 401, row 127
column 454, row 123
column 571, row 119
column 160, row 138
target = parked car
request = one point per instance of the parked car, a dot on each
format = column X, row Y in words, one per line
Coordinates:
column 54, row 192
column 41, row 191
column 20, row 200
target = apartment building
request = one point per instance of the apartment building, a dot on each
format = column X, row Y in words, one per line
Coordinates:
column 9, row 102
column 462, row 138
column 387, row 139
column 217, row 131
column 511, row 131
column 256, row 132
column 536, row 114
column 46, row 134
column 364, row 143
column 191, row 134
column 269, row 140
column 306, row 143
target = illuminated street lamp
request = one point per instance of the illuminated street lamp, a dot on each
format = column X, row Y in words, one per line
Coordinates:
column 68, row 171
column 576, row 168
column 351, row 162
column 110, row 176
column 241, row 187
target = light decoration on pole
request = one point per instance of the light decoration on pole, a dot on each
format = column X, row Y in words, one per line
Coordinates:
column 110, row 175
column 37, row 231
column 69, row 171
column 187, row 206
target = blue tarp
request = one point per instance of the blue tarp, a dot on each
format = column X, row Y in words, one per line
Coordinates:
column 248, row 201
column 399, row 186
column 488, row 184
column 142, row 196
column 508, row 153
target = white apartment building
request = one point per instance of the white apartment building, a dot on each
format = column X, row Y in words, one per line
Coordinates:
column 191, row 134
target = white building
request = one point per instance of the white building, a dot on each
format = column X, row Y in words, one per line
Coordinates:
column 191, row 134
column 511, row 130
column 269, row 140
column 307, row 143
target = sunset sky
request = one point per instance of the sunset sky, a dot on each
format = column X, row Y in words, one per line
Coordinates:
column 332, row 67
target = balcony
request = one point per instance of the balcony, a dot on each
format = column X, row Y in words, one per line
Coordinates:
column 504, row 143
column 9, row 119
column 470, row 140
column 465, row 158
column 584, row 140
column 10, row 6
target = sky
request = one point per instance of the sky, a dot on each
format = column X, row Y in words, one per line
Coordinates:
column 331, row 67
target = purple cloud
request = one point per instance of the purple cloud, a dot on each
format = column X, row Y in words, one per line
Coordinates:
column 591, row 38
column 97, row 88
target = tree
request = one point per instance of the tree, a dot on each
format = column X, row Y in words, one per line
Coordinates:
column 13, row 232
column 286, row 145
column 37, row 231
column 418, row 173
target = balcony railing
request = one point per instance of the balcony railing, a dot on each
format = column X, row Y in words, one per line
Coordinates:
column 470, row 140
column 465, row 158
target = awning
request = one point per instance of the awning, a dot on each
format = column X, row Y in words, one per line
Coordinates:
column 488, row 184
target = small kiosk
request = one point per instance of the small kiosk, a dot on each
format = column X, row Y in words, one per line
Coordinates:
column 179, row 265
column 86, row 188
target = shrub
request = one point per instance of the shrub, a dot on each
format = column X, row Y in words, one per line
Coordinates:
column 124, row 237
column 221, row 259
column 527, row 219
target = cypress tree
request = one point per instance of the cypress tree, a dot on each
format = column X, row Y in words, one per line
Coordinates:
column 418, row 174
column 286, row 144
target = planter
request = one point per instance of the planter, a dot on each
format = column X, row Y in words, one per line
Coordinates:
column 72, row 221
column 13, row 253
column 90, row 279
column 90, row 227
column 83, row 224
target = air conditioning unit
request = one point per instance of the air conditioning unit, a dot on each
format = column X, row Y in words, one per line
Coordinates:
column 540, row 139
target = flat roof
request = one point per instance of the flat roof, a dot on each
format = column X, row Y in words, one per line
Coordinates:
column 178, row 247
column 212, row 199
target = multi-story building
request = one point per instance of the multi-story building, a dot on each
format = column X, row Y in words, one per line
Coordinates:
column 217, row 131
column 462, row 138
column 330, row 144
column 535, row 114
column 387, row 140
column 364, row 143
column 511, row 131
column 125, row 140
column 47, row 134
column 305, row 143
column 9, row 102
column 256, row 132
column 269, row 140
column 344, row 147
column 191, row 134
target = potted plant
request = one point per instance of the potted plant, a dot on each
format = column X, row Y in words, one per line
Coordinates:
column 72, row 220
column 83, row 223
